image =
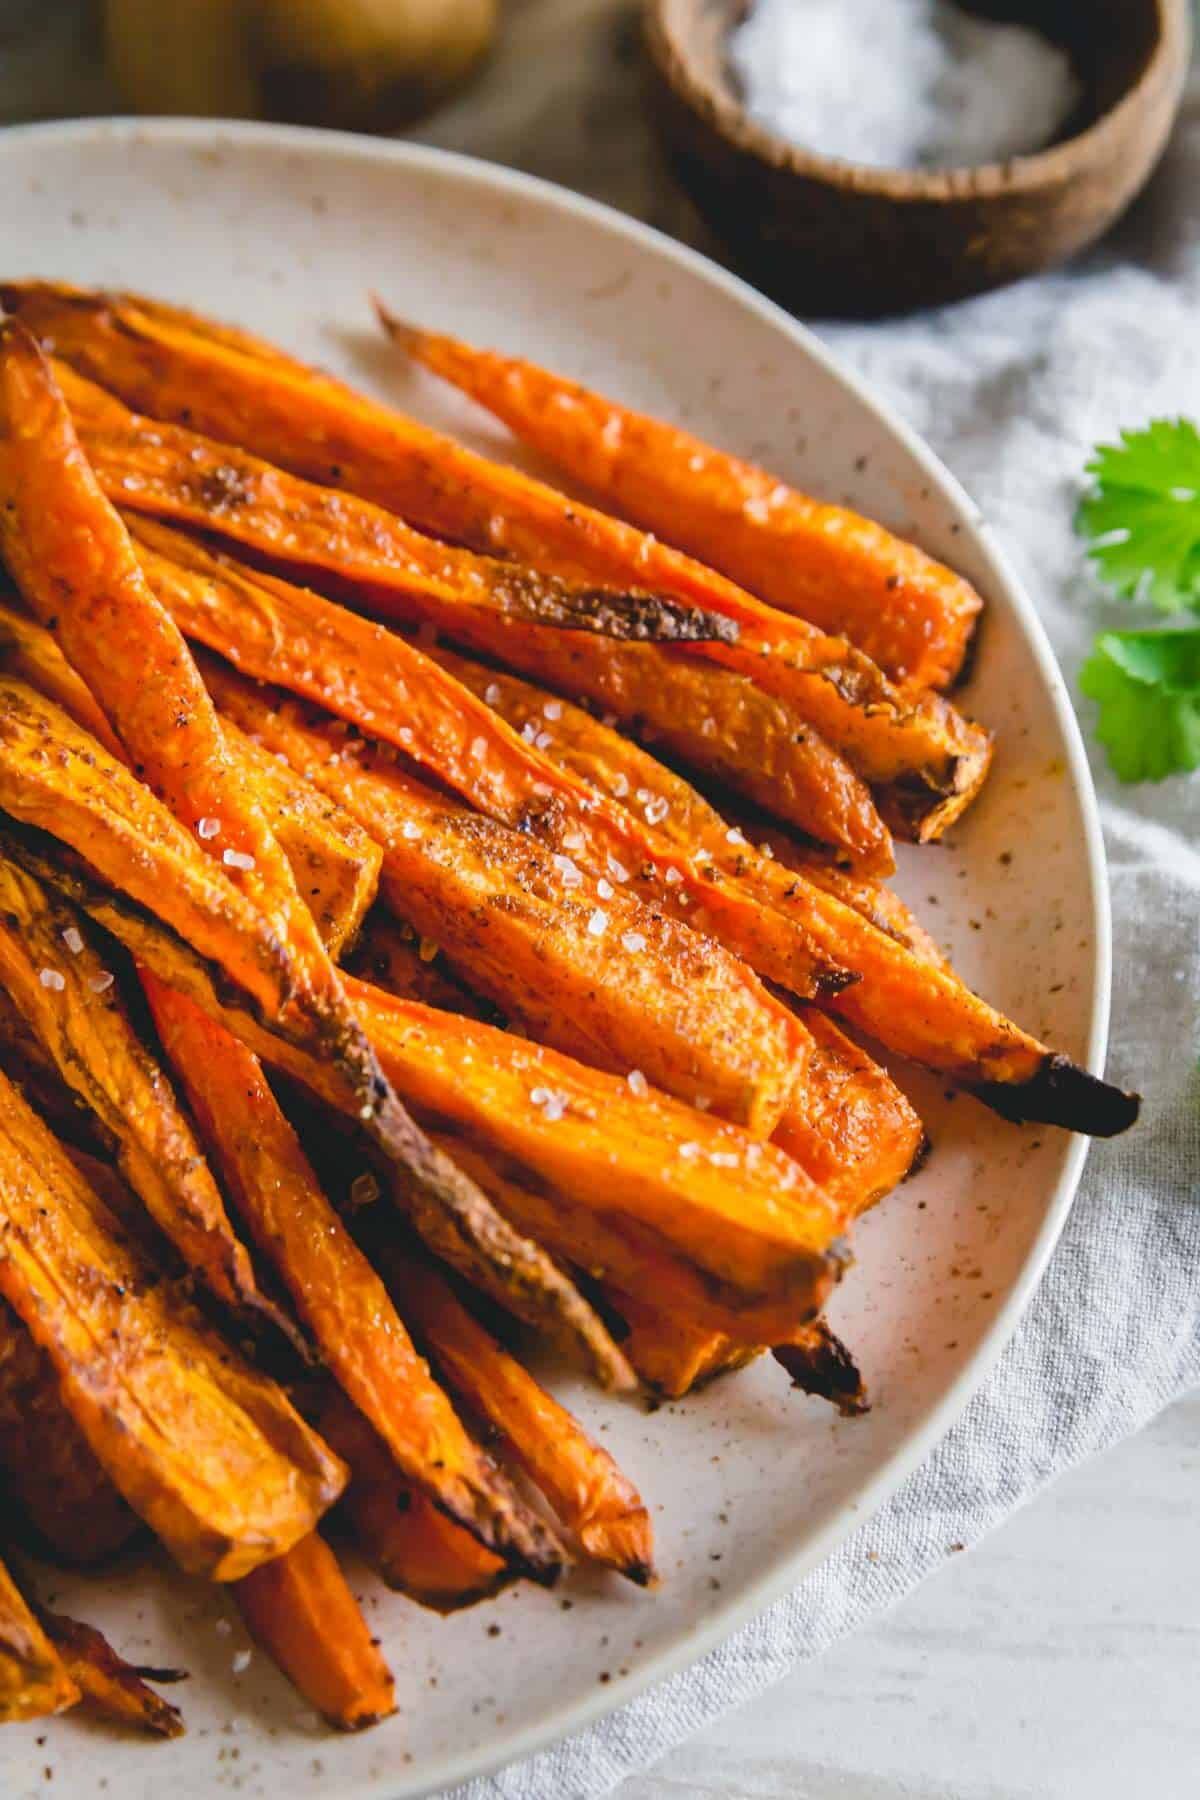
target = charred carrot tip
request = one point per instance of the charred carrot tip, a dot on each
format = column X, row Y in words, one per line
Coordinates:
column 823, row 1366
column 1061, row 1093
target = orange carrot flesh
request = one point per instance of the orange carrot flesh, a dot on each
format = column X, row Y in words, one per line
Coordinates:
column 411, row 1545
column 742, row 735
column 580, row 1480
column 113, row 1687
column 524, row 927
column 672, row 1355
column 208, row 1451
column 333, row 1286
column 273, row 405
column 381, row 684
column 299, row 1608
column 840, row 571
column 65, row 543
column 915, row 1007
column 33, row 1680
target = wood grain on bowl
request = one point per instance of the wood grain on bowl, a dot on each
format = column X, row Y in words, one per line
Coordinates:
column 840, row 238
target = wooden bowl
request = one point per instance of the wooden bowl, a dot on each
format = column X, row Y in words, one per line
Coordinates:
column 843, row 239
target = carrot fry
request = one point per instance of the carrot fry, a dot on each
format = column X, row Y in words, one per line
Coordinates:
column 411, row 1545
column 930, row 761
column 843, row 573
column 334, row 1288
column 335, row 862
column 74, row 562
column 210, row 1453
column 580, row 1480
column 639, row 992
column 381, row 684
column 33, row 1681
column 116, row 1689
column 672, row 1355
column 924, row 761
column 913, row 1006
column 300, row 1609
column 81, row 1019
column 47, row 1470
column 285, row 411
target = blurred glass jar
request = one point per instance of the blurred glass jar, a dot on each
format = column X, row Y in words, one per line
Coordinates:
column 363, row 65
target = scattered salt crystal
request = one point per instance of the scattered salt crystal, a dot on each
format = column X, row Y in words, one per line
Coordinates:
column 646, row 546
column 734, row 836
column 574, row 840
column 620, row 785
column 553, row 709
column 50, row 978
column 657, row 810
column 605, row 889
column 208, row 828
column 543, row 740
column 696, row 462
column 724, row 1159
column 101, row 983
column 689, row 1152
column 598, row 923
column 542, row 789
column 241, row 1662
column 237, row 859
column 633, row 941
column 539, row 1095
column 364, row 1189
column 491, row 694
column 766, row 850
column 554, row 1108
column 612, row 431
column 73, row 940
column 132, row 483
column 616, row 869
column 637, row 1083
column 410, row 830
column 779, row 494
column 672, row 878
column 529, row 731
column 405, row 735
column 479, row 748
column 571, row 876
column 756, row 509
column 427, row 949
column 702, row 1102
column 643, row 794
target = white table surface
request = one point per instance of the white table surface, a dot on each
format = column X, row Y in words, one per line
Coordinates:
column 1060, row 1658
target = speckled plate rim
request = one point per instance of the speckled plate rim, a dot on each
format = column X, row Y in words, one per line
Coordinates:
column 1002, row 581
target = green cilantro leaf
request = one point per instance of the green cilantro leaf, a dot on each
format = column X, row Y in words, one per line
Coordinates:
column 1142, row 518
column 1147, row 684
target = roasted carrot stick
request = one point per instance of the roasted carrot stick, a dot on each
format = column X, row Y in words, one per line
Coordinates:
column 300, row 1609
column 842, row 572
column 910, row 1004
column 55, row 971
column 116, row 1689
column 671, row 1354
column 33, row 1681
column 128, row 839
column 335, row 862
column 209, row 1452
column 929, row 761
column 381, row 684
column 73, row 560
column 47, row 1470
column 411, row 1545
column 333, row 1286
column 582, row 965
column 923, row 760
column 581, row 1481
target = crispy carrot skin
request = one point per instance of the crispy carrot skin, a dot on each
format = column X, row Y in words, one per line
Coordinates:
column 411, row 1545
column 930, row 762
column 46, row 1467
column 33, row 1681
column 913, row 1005
column 300, row 1609
column 842, row 572
column 210, row 1453
column 335, row 862
column 85, row 1026
column 333, row 1287
column 73, row 560
column 381, row 684
column 580, row 1480
column 591, row 970
column 923, row 759
column 116, row 1689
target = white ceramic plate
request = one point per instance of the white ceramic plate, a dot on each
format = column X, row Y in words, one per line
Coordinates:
column 285, row 231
